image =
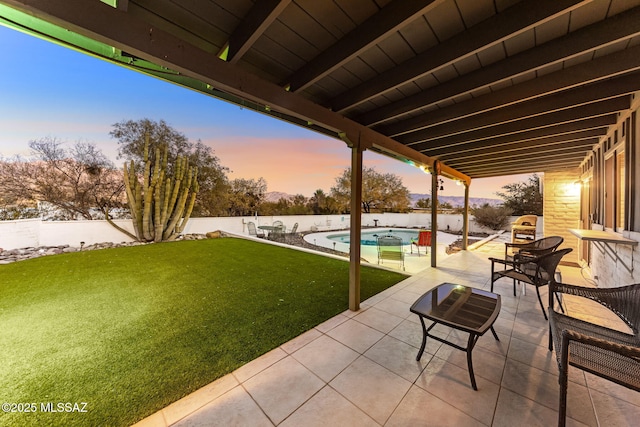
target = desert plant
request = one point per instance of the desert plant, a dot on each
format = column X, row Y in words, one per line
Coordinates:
column 159, row 207
column 493, row 217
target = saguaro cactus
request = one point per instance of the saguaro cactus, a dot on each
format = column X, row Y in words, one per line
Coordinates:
column 162, row 203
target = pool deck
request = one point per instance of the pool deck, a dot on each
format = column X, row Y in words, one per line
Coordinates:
column 414, row 262
column 359, row 368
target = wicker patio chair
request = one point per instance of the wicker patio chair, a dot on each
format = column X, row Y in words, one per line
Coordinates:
column 537, row 271
column 535, row 248
column 607, row 353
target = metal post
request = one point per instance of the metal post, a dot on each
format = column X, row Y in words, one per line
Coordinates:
column 465, row 218
column 434, row 211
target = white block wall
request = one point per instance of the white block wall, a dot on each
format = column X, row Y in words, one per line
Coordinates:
column 35, row 233
column 562, row 209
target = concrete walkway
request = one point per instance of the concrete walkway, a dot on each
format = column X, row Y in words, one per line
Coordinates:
column 359, row 369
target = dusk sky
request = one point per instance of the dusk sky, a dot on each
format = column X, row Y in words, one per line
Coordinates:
column 51, row 91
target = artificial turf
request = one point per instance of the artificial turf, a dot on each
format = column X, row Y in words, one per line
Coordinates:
column 129, row 330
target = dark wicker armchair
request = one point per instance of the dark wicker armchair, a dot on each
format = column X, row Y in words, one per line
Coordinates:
column 537, row 271
column 535, row 248
column 604, row 352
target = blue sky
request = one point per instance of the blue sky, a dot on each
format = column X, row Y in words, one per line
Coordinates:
column 49, row 90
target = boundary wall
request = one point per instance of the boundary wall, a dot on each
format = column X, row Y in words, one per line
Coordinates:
column 35, row 232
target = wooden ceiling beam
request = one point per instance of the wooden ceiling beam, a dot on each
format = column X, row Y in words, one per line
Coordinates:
column 533, row 166
column 255, row 23
column 621, row 27
column 599, row 69
column 538, row 152
column 446, row 120
column 512, row 21
column 582, row 112
column 547, row 143
column 388, row 20
column 582, row 125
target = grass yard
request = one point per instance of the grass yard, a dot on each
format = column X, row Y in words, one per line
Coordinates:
column 129, row 330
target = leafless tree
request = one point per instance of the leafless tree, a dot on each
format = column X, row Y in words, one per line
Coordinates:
column 80, row 182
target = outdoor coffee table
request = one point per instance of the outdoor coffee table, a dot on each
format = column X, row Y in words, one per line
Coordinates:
column 460, row 307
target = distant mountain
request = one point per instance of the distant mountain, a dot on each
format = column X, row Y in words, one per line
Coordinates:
column 275, row 196
column 455, row 201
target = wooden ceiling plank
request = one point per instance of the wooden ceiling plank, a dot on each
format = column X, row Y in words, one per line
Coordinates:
column 540, row 121
column 479, row 147
column 390, row 19
column 486, row 152
column 612, row 65
column 546, row 105
column 577, row 156
column 617, row 86
column 254, row 24
column 537, row 152
column 522, row 168
column 604, row 33
column 516, row 19
column 592, row 123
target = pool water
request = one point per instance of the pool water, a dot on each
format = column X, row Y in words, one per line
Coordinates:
column 369, row 238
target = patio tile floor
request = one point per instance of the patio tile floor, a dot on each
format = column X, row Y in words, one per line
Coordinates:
column 359, row 368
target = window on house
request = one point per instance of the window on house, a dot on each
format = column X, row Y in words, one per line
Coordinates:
column 620, row 190
column 609, row 191
column 614, row 196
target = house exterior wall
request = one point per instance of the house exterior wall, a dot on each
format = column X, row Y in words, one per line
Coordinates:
column 562, row 209
column 613, row 170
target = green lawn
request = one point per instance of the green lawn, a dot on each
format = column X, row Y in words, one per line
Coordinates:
column 130, row 330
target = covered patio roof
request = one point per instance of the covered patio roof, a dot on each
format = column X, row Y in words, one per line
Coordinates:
column 487, row 87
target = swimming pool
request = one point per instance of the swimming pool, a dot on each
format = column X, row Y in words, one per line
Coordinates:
column 369, row 238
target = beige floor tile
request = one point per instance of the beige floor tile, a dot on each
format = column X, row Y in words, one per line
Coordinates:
column 531, row 333
column 235, row 408
column 411, row 333
column 516, row 410
column 300, row 341
column 280, row 389
column 379, row 320
column 328, row 408
column 420, row 408
column 398, row 357
column 610, row 388
column 355, row 335
column 407, row 296
column 198, row 399
column 325, row 327
column 325, row 357
column 615, row 412
column 153, row 420
column 542, row 387
column 395, row 307
column 452, row 384
column 252, row 368
column 486, row 364
column 372, row 388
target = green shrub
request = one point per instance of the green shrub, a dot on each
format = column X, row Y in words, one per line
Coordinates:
column 493, row 217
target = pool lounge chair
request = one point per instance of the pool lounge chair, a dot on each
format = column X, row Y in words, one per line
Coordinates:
column 390, row 248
